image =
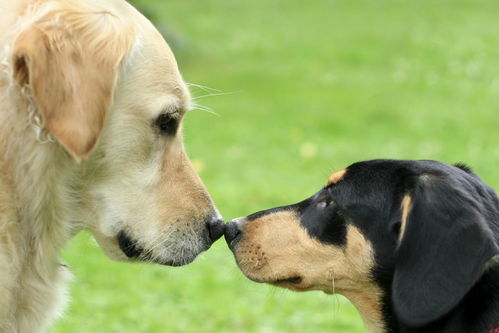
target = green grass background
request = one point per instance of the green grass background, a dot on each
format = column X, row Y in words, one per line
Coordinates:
column 313, row 86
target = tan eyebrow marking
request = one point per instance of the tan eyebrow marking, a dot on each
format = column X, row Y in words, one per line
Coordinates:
column 406, row 206
column 336, row 177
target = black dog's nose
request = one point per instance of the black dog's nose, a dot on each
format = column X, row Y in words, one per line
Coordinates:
column 216, row 229
column 233, row 232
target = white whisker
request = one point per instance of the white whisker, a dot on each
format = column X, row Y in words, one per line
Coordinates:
column 336, row 305
column 217, row 94
column 205, row 88
column 204, row 108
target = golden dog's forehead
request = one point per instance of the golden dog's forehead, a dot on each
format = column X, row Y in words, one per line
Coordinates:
column 150, row 74
column 336, row 177
column 155, row 67
column 151, row 83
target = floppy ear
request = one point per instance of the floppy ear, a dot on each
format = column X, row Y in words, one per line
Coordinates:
column 69, row 60
column 442, row 252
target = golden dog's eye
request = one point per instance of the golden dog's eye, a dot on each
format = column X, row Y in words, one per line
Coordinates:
column 167, row 124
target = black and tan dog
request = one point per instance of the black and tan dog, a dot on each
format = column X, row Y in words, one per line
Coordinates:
column 414, row 245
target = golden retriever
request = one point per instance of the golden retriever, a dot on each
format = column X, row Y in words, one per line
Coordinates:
column 91, row 103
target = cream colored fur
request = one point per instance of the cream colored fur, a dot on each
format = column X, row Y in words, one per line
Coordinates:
column 276, row 246
column 81, row 84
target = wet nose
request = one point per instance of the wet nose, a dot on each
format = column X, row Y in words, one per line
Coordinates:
column 233, row 232
column 215, row 229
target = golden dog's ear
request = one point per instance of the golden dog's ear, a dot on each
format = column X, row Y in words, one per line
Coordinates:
column 69, row 59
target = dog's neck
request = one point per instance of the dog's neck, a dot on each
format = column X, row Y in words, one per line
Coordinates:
column 368, row 303
column 40, row 172
column 36, row 205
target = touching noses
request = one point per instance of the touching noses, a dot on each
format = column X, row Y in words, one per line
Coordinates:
column 233, row 231
column 215, row 228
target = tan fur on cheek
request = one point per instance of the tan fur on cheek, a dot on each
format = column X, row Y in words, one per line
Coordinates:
column 359, row 253
column 276, row 247
column 357, row 284
column 182, row 195
column 267, row 250
column 192, row 208
column 336, row 177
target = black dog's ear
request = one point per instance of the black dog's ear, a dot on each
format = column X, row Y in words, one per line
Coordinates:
column 443, row 249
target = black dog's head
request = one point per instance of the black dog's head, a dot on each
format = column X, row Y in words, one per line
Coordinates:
column 407, row 237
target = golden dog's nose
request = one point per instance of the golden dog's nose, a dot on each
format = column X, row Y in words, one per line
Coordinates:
column 216, row 229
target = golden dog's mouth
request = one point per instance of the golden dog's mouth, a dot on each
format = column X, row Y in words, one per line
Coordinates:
column 168, row 254
column 136, row 252
column 129, row 247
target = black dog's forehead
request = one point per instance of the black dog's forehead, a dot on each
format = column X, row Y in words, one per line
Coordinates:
column 371, row 193
column 370, row 184
column 368, row 195
column 381, row 178
column 384, row 167
column 374, row 189
column 389, row 171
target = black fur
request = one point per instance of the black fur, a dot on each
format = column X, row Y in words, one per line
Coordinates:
column 441, row 276
column 464, row 167
column 319, row 215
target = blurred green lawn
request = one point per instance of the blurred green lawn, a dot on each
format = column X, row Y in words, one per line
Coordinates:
column 313, row 86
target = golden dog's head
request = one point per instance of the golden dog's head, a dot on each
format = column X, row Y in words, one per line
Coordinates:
column 107, row 89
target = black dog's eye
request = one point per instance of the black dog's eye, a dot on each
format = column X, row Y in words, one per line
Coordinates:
column 324, row 202
column 167, row 124
column 324, row 198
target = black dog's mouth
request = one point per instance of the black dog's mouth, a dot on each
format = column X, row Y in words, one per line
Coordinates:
column 292, row 280
column 295, row 283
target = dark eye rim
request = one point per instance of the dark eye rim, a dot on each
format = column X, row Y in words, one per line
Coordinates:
column 167, row 124
column 325, row 197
